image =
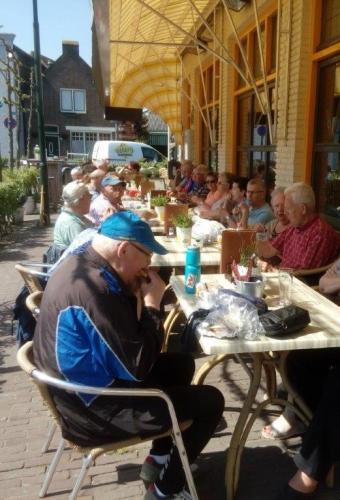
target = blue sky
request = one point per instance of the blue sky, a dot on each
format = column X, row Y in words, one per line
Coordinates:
column 58, row 20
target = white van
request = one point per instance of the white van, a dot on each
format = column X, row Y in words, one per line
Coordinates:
column 125, row 151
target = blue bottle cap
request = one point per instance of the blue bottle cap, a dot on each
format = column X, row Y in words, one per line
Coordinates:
column 193, row 257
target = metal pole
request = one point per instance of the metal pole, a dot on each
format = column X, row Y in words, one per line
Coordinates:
column 44, row 209
column 9, row 98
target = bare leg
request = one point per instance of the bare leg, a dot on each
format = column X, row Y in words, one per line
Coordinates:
column 303, row 483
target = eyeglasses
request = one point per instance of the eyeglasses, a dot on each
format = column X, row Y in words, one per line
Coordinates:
column 255, row 192
column 211, row 182
column 145, row 252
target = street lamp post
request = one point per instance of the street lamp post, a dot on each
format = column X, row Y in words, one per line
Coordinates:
column 9, row 104
column 44, row 209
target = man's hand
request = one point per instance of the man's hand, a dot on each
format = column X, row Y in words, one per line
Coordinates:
column 265, row 249
column 153, row 291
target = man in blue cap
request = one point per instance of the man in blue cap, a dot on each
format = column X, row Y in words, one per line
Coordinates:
column 100, row 324
column 108, row 201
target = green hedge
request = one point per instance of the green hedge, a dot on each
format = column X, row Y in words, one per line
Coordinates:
column 16, row 186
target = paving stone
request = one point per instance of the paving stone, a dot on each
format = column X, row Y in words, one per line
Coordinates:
column 24, row 422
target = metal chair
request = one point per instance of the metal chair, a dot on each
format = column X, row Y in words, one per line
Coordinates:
column 42, row 380
column 30, row 277
column 311, row 276
column 33, row 302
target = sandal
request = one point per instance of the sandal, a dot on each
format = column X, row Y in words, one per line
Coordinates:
column 288, row 493
column 270, row 432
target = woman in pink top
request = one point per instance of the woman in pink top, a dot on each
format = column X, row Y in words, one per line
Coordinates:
column 219, row 196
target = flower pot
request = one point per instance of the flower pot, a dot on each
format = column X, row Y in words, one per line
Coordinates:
column 183, row 235
column 160, row 213
column 19, row 215
column 29, row 206
column 243, row 270
column 254, row 287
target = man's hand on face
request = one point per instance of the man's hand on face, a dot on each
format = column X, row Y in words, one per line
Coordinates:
column 153, row 290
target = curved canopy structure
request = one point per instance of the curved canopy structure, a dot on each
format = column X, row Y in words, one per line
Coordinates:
column 136, row 52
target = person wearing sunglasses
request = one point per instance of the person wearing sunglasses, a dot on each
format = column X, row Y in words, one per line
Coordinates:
column 100, row 324
column 220, row 199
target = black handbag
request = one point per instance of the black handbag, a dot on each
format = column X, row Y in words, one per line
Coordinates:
column 283, row 321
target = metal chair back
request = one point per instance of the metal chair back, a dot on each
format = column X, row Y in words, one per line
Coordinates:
column 43, row 381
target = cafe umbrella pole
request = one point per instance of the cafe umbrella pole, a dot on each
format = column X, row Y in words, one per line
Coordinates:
column 44, row 210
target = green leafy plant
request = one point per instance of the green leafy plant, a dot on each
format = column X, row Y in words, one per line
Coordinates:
column 159, row 201
column 183, row 220
column 246, row 252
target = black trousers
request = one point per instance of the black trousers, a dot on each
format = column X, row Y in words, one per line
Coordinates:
column 315, row 374
column 109, row 419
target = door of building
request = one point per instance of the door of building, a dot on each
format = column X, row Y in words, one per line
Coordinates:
column 52, row 145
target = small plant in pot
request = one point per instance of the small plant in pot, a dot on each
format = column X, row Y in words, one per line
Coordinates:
column 183, row 224
column 247, row 279
column 159, row 202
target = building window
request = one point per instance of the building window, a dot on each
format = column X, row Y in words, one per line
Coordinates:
column 104, row 137
column 254, row 152
column 326, row 140
column 77, row 142
column 72, row 101
column 330, row 22
column 326, row 165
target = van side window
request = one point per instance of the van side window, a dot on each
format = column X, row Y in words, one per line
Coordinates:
column 149, row 154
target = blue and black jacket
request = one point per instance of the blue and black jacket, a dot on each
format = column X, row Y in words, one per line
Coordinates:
column 88, row 332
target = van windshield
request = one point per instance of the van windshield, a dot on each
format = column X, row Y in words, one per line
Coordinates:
column 149, row 154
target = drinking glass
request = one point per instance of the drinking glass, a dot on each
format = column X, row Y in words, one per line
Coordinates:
column 285, row 287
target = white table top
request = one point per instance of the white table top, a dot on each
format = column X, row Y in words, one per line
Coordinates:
column 210, row 255
column 323, row 331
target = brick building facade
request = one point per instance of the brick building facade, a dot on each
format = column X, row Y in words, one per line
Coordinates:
column 74, row 118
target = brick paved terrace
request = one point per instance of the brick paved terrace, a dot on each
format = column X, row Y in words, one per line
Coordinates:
column 24, row 422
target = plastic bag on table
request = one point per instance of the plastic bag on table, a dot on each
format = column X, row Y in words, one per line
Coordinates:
column 206, row 230
column 230, row 317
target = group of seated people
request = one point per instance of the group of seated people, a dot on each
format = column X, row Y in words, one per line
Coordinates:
column 110, row 313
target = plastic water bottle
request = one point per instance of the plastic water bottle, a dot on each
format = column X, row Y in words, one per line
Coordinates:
column 192, row 269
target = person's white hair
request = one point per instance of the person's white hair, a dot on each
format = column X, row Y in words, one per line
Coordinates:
column 277, row 190
column 106, row 245
column 73, row 192
column 302, row 193
column 77, row 170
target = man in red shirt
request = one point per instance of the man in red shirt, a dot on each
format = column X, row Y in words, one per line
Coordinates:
column 309, row 242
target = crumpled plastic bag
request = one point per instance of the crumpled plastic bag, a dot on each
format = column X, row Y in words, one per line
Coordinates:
column 229, row 317
column 206, row 230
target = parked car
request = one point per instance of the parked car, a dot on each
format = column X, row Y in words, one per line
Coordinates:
column 125, row 151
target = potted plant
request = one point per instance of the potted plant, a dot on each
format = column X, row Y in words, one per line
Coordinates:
column 159, row 202
column 247, row 278
column 183, row 224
